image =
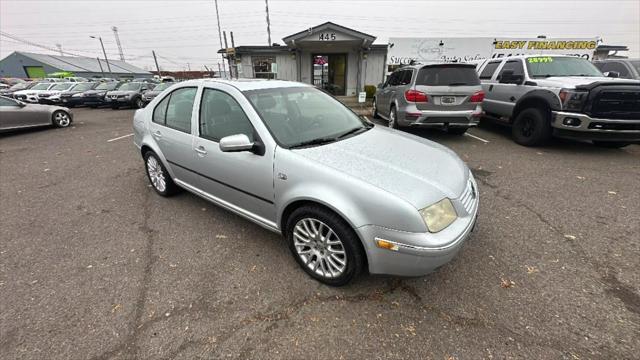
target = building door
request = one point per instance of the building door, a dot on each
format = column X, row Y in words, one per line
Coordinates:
column 35, row 72
column 329, row 72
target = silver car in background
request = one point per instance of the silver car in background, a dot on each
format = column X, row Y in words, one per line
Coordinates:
column 346, row 194
column 439, row 95
column 15, row 115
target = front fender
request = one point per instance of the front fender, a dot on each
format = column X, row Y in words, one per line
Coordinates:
column 547, row 96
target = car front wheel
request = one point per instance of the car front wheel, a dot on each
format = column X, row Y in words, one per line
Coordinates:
column 393, row 118
column 324, row 245
column 531, row 127
column 61, row 119
column 375, row 109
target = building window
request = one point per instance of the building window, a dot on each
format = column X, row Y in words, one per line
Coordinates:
column 263, row 67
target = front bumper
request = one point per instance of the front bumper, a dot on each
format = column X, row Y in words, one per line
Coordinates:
column 49, row 101
column 582, row 126
column 443, row 118
column 120, row 100
column 419, row 253
column 33, row 99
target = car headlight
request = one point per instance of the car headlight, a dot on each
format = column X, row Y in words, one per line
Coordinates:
column 572, row 99
column 77, row 95
column 439, row 215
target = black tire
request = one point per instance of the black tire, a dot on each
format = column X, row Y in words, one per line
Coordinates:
column 170, row 187
column 61, row 119
column 393, row 118
column 457, row 130
column 531, row 127
column 375, row 109
column 610, row 144
column 355, row 257
column 138, row 103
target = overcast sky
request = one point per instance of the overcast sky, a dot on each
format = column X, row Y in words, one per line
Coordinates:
column 185, row 33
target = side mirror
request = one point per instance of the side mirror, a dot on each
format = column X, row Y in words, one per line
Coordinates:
column 508, row 77
column 612, row 74
column 380, row 85
column 236, row 143
column 21, row 104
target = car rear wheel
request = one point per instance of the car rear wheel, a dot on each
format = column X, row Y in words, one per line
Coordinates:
column 324, row 245
column 375, row 110
column 393, row 118
column 531, row 127
column 61, row 119
column 158, row 175
column 610, row 144
column 457, row 130
column 139, row 103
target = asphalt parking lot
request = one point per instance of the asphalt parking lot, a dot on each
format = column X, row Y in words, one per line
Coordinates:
column 95, row 265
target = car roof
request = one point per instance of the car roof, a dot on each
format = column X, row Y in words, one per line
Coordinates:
column 248, row 84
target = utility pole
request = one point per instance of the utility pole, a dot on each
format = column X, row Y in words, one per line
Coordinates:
column 156, row 61
column 219, row 32
column 226, row 46
column 104, row 52
column 233, row 46
column 100, row 64
column 115, row 32
column 59, row 46
column 268, row 23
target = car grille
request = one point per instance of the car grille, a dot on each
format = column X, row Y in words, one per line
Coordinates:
column 21, row 97
column 616, row 104
column 469, row 196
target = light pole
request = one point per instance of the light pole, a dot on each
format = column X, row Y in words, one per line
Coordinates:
column 104, row 52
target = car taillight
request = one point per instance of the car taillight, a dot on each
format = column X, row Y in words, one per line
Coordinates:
column 415, row 96
column 477, row 97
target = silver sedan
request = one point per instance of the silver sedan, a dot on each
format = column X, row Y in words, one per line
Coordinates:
column 348, row 196
column 15, row 115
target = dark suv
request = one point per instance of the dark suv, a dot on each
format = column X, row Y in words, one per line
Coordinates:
column 128, row 94
column 94, row 98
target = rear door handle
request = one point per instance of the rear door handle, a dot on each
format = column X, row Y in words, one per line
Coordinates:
column 200, row 150
column 157, row 134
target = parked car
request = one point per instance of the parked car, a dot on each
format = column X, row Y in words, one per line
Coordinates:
column 440, row 95
column 15, row 114
column 52, row 96
column 541, row 96
column 17, row 87
column 11, row 81
column 151, row 94
column 146, row 80
column 75, row 95
column 128, row 94
column 31, row 95
column 344, row 193
column 76, row 79
column 623, row 68
column 96, row 97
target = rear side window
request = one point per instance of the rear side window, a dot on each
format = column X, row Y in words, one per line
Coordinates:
column 515, row 65
column 405, row 78
column 395, row 77
column 450, row 75
column 175, row 110
column 614, row 66
column 487, row 72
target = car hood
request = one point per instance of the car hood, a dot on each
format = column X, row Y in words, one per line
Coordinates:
column 45, row 108
column 415, row 169
column 573, row 81
column 28, row 91
column 117, row 92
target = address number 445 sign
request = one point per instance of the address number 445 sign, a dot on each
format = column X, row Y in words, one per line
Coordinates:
column 326, row 36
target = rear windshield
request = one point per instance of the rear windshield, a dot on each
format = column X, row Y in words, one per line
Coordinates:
column 450, row 75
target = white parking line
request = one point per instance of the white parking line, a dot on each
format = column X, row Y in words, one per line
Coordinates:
column 477, row 138
column 120, row 137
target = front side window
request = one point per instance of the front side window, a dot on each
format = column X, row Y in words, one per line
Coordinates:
column 513, row 65
column 7, row 102
column 263, row 68
column 221, row 115
column 447, row 75
column 547, row 66
column 487, row 72
column 304, row 116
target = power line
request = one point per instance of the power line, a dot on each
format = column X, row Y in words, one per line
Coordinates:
column 13, row 37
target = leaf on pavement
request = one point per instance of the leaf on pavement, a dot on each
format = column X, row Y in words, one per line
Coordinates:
column 506, row 283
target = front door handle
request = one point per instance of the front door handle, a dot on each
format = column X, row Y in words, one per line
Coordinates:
column 200, row 150
column 513, row 98
column 157, row 134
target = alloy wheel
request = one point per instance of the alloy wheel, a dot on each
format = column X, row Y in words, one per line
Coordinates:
column 527, row 127
column 319, row 248
column 156, row 175
column 392, row 119
column 62, row 119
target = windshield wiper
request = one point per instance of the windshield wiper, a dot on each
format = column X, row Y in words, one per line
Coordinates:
column 352, row 131
column 318, row 141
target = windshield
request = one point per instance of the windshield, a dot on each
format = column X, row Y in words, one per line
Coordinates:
column 63, row 86
column 129, row 86
column 449, row 75
column 299, row 116
column 19, row 86
column 107, row 86
column 41, row 86
column 162, row 86
column 82, row 86
column 547, row 66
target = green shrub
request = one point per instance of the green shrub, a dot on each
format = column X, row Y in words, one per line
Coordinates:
column 370, row 90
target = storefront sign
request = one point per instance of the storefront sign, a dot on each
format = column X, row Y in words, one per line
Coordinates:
column 581, row 47
column 403, row 51
column 362, row 97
